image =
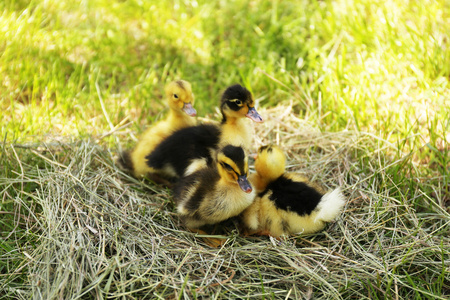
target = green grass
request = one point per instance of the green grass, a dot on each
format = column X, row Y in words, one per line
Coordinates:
column 356, row 92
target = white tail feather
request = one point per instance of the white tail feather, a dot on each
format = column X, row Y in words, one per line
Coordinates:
column 330, row 205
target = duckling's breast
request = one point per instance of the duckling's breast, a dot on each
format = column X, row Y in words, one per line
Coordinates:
column 227, row 202
column 238, row 133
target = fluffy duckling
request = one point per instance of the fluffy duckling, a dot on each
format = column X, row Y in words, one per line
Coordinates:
column 213, row 194
column 287, row 203
column 236, row 104
column 180, row 100
column 193, row 148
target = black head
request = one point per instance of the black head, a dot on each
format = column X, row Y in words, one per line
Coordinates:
column 235, row 96
column 237, row 156
column 237, row 102
column 233, row 166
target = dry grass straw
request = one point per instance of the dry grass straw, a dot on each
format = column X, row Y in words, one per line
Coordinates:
column 94, row 232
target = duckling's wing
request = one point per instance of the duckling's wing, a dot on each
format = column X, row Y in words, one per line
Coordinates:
column 192, row 196
column 183, row 146
column 294, row 196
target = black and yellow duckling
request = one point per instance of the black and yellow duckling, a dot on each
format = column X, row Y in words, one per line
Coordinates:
column 193, row 148
column 237, row 103
column 180, row 100
column 287, row 203
column 213, row 194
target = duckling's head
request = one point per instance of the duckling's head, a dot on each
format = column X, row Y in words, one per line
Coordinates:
column 237, row 102
column 180, row 97
column 270, row 162
column 233, row 166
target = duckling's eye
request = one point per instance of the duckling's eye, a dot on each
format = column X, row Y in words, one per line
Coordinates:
column 175, row 96
column 227, row 166
column 237, row 102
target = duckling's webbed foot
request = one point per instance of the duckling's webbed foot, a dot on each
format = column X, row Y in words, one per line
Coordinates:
column 210, row 241
column 264, row 233
column 249, row 232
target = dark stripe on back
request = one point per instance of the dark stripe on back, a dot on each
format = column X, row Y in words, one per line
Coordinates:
column 293, row 196
column 206, row 177
column 184, row 145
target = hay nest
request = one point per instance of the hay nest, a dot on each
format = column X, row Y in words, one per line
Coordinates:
column 91, row 231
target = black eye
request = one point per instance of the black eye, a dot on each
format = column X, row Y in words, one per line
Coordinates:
column 227, row 166
column 238, row 102
column 175, row 96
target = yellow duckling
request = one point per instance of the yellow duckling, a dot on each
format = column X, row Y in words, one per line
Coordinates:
column 287, row 203
column 213, row 194
column 193, row 148
column 180, row 100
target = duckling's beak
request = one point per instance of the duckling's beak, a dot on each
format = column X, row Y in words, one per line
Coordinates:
column 189, row 109
column 253, row 114
column 244, row 184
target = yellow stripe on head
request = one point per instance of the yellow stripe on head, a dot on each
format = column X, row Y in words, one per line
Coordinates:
column 232, row 162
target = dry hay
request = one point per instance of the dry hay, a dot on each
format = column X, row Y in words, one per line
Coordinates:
column 95, row 232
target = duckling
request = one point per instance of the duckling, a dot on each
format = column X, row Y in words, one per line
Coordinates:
column 287, row 203
column 236, row 104
column 193, row 148
column 180, row 100
column 213, row 194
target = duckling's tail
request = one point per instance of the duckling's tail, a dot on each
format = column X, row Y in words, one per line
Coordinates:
column 330, row 205
column 124, row 161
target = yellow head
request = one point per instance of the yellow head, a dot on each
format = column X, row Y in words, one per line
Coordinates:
column 180, row 97
column 232, row 165
column 270, row 162
column 237, row 102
